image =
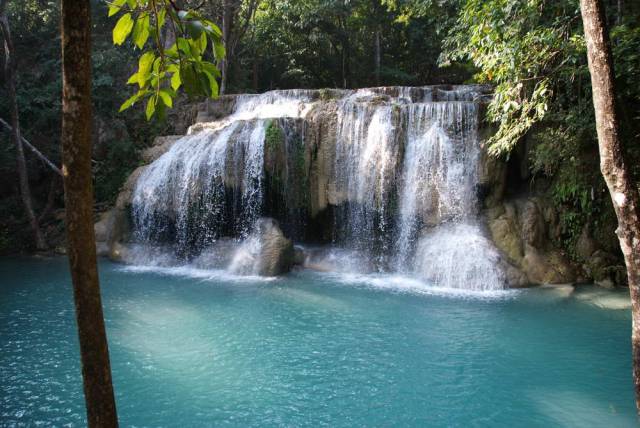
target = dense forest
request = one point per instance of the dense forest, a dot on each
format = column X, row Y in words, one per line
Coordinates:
column 533, row 54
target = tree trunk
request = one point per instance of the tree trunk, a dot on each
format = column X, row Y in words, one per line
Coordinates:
column 78, row 191
column 255, row 73
column 613, row 164
column 227, row 18
column 378, row 57
column 21, row 164
column 619, row 14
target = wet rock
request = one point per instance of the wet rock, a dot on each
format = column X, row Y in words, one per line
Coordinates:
column 492, row 179
column 547, row 267
column 211, row 110
column 118, row 252
column 298, row 256
column 504, row 230
column 267, row 252
column 114, row 226
column 103, row 230
column 159, row 147
column 276, row 256
column 604, row 298
column 514, row 277
column 321, row 137
column 520, row 231
column 532, row 224
column 602, row 266
column 586, row 246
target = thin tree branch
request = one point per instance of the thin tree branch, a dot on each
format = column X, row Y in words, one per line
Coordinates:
column 35, row 151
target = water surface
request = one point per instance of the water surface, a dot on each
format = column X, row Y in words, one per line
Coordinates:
column 198, row 348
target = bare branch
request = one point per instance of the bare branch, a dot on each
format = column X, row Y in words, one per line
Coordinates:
column 35, row 151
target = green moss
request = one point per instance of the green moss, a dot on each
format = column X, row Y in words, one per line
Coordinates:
column 327, row 94
column 274, row 136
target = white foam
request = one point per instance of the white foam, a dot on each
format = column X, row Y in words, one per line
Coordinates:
column 412, row 285
column 187, row 271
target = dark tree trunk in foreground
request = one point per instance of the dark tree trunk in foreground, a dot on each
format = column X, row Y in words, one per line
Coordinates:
column 613, row 164
column 78, row 197
column 23, row 177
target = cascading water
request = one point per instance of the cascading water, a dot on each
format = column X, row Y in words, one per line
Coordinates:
column 400, row 167
column 437, row 195
column 365, row 162
column 186, row 195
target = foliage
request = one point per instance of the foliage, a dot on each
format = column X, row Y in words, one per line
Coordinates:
column 161, row 71
column 113, row 171
column 522, row 48
column 332, row 43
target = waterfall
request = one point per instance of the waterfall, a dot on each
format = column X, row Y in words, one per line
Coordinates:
column 186, row 196
column 365, row 162
column 440, row 169
column 398, row 166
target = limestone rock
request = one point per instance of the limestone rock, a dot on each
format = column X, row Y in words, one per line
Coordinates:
column 118, row 252
column 547, row 267
column 586, row 246
column 126, row 193
column 504, row 230
column 520, row 230
column 159, row 147
column 321, row 152
column 492, row 179
column 533, row 225
column 277, row 254
column 267, row 252
column 514, row 277
column 212, row 110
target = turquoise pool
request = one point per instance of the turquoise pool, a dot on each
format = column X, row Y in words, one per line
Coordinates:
column 198, row 348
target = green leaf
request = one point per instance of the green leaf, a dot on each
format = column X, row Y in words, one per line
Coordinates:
column 211, row 68
column 171, row 52
column 161, row 17
column 196, row 53
column 128, row 103
column 141, row 31
column 213, row 84
column 202, row 42
column 183, row 45
column 195, row 29
column 190, row 80
column 218, row 51
column 132, row 4
column 166, row 97
column 145, row 63
column 122, row 29
column 213, row 29
column 151, row 107
column 115, row 6
column 133, row 79
column 175, row 80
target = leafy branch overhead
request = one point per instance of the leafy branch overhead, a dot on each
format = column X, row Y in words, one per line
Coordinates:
column 163, row 70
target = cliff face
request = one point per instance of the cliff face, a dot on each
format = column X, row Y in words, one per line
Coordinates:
column 383, row 171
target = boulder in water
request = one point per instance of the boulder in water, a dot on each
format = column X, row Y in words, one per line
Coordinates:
column 267, row 252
